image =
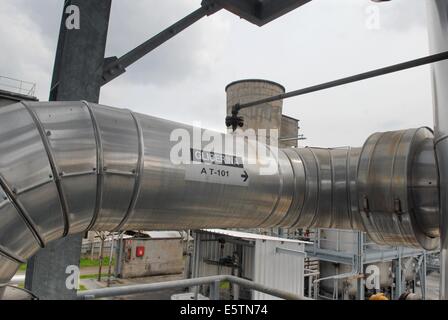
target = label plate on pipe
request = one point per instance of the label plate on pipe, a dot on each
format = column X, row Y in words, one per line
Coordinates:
column 217, row 168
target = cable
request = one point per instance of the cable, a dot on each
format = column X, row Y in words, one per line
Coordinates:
column 236, row 121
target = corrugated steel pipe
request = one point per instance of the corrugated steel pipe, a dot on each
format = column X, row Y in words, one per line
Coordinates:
column 69, row 167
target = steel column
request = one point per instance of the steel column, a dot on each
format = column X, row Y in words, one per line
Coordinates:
column 360, row 262
column 398, row 278
column 77, row 76
column 423, row 282
column 196, row 260
column 438, row 36
column 214, row 290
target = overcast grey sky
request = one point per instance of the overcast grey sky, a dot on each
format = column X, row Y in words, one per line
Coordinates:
column 184, row 80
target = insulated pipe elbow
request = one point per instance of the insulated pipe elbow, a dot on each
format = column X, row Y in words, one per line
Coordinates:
column 69, row 167
column 397, row 188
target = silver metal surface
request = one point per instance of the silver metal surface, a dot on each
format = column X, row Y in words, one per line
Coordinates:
column 69, row 131
column 67, row 167
column 8, row 268
column 323, row 191
column 25, row 170
column 424, row 188
column 437, row 17
column 16, row 239
column 385, row 189
column 299, row 188
column 167, row 200
column 285, row 192
column 120, row 152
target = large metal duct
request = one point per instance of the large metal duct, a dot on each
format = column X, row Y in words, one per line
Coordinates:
column 68, row 167
column 397, row 188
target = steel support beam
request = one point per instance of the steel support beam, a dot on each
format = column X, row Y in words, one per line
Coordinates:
column 372, row 256
column 360, row 282
column 423, row 283
column 114, row 67
column 261, row 12
column 296, row 253
column 196, row 260
column 77, row 76
column 398, row 278
column 331, row 256
column 437, row 12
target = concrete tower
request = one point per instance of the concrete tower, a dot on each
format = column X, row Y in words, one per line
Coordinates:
column 265, row 116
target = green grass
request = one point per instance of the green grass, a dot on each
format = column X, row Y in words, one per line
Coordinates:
column 225, row 285
column 81, row 286
column 83, row 263
column 92, row 276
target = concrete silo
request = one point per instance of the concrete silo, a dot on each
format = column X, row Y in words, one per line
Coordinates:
column 265, row 116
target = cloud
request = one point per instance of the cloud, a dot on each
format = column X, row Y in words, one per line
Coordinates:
column 184, row 79
column 186, row 56
column 27, row 51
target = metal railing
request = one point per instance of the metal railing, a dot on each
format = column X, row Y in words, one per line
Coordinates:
column 215, row 281
column 18, row 86
column 312, row 276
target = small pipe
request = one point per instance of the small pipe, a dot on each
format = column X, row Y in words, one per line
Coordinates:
column 354, row 272
column 292, row 138
column 185, row 283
